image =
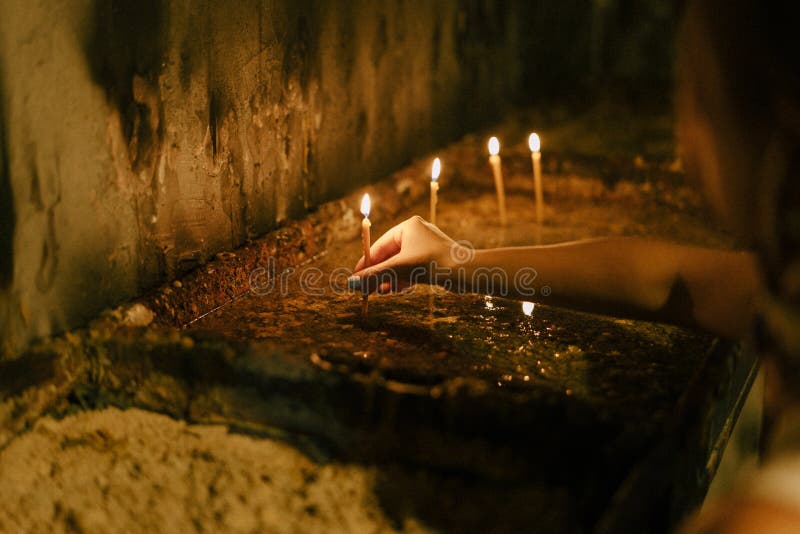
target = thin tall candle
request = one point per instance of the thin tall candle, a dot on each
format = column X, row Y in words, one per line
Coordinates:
column 494, row 160
column 535, row 144
column 436, row 169
column 366, row 243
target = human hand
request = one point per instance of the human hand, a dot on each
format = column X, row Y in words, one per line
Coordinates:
column 405, row 255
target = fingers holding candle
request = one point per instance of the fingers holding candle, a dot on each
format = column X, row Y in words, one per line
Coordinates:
column 384, row 247
column 426, row 236
column 404, row 256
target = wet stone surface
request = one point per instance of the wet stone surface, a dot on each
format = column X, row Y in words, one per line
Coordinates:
column 631, row 368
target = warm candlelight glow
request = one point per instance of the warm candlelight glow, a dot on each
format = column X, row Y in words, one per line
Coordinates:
column 365, row 205
column 436, row 169
column 494, row 146
column 527, row 308
column 534, row 143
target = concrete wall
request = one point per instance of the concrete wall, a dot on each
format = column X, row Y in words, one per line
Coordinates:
column 138, row 138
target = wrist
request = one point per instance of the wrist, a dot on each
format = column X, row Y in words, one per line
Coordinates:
column 459, row 266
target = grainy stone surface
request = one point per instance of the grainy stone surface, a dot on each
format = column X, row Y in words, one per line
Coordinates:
column 135, row 471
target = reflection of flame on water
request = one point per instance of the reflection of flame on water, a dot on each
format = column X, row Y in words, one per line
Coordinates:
column 527, row 308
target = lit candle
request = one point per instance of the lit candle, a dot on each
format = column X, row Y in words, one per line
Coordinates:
column 494, row 160
column 365, row 241
column 436, row 169
column 536, row 156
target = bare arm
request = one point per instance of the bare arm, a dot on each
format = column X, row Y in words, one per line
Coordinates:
column 632, row 277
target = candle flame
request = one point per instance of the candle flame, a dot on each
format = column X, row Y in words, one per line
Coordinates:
column 534, row 142
column 436, row 169
column 494, row 146
column 527, row 308
column 365, row 205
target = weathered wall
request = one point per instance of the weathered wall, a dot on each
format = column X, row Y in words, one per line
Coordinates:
column 138, row 138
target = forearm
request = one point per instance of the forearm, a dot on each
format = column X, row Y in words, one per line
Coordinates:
column 624, row 276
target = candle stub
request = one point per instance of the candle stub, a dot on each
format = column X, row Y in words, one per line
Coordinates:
column 497, row 170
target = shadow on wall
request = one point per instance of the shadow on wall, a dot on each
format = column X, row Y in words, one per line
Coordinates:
column 124, row 49
column 7, row 213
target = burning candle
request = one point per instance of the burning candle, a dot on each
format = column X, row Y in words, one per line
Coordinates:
column 494, row 160
column 535, row 144
column 436, row 169
column 365, row 241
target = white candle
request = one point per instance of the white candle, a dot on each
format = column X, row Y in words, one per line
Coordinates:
column 494, row 160
column 436, row 169
column 535, row 145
